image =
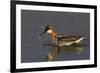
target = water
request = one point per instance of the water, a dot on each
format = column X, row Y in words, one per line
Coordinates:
column 68, row 23
column 54, row 53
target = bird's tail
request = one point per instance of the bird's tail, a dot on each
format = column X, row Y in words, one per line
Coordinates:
column 79, row 40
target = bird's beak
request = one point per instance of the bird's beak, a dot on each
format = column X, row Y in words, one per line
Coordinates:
column 45, row 30
column 42, row 33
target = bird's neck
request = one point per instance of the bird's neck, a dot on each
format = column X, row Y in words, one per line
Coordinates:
column 53, row 35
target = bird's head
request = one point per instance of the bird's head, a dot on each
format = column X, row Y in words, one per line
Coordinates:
column 47, row 29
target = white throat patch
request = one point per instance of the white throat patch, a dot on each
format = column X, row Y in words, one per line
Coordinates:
column 49, row 31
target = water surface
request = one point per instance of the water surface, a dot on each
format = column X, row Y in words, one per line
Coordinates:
column 68, row 23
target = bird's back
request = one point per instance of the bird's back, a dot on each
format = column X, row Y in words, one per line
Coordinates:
column 68, row 39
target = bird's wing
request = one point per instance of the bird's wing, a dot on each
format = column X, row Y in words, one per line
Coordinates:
column 69, row 38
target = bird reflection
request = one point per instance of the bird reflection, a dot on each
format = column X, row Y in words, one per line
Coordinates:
column 52, row 55
column 63, row 50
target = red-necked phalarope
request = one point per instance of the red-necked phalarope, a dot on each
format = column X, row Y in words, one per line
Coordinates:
column 62, row 40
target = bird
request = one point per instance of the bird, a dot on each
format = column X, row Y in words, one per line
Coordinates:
column 61, row 40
